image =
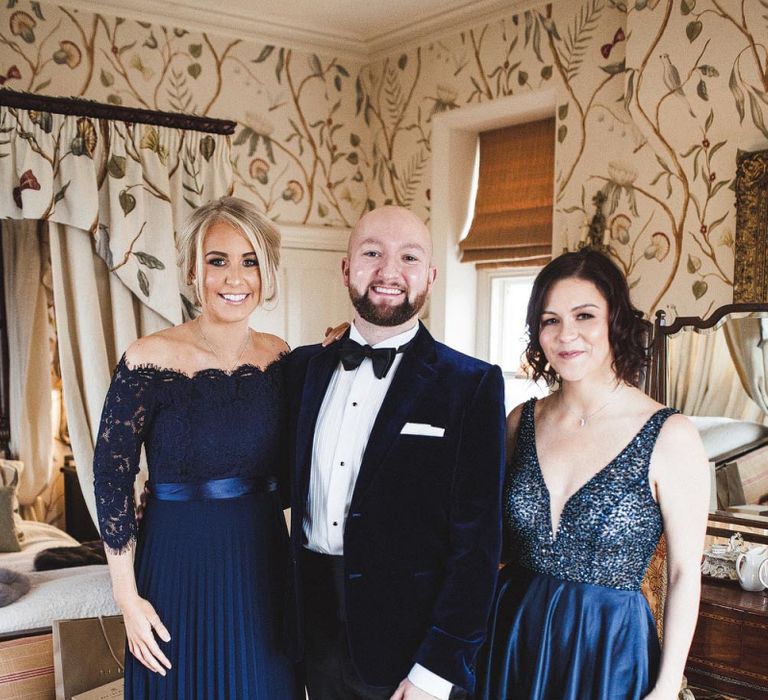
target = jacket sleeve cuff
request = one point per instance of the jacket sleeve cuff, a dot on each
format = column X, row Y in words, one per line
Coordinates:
column 430, row 682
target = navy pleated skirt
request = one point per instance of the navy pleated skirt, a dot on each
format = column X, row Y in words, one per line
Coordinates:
column 213, row 570
column 551, row 639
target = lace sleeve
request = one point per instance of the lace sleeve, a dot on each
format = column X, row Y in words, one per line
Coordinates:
column 124, row 421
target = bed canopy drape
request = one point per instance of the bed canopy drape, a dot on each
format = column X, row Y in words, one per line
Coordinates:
column 112, row 185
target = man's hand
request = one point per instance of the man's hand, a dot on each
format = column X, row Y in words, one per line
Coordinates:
column 408, row 691
column 334, row 334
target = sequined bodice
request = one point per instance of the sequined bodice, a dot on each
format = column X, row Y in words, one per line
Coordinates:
column 608, row 529
column 212, row 425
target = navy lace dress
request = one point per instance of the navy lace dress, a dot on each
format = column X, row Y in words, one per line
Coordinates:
column 569, row 621
column 211, row 548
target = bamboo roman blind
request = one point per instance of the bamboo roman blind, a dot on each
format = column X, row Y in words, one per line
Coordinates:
column 512, row 225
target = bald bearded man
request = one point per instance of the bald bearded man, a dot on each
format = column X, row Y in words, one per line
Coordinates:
column 396, row 451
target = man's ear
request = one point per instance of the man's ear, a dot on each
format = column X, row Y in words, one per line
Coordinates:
column 345, row 270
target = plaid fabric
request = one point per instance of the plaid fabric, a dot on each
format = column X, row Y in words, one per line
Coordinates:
column 753, row 470
column 26, row 669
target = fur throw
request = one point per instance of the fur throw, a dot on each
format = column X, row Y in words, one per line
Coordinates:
column 13, row 585
column 65, row 557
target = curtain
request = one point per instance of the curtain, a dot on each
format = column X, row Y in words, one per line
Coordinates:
column 703, row 380
column 113, row 194
column 30, row 358
column 97, row 317
column 512, row 224
column 748, row 344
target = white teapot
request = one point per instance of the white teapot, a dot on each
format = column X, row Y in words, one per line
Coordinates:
column 752, row 570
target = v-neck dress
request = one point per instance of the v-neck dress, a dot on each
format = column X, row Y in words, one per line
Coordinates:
column 569, row 621
column 211, row 549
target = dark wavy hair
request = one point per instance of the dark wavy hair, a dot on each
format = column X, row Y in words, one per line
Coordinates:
column 627, row 331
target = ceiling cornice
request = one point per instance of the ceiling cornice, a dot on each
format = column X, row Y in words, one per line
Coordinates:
column 441, row 24
column 237, row 25
column 273, row 30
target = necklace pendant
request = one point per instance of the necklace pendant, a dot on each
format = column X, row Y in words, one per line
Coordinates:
column 582, row 422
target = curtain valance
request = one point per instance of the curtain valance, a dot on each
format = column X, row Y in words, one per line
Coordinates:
column 128, row 185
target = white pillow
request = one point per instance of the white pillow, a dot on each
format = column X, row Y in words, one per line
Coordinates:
column 722, row 436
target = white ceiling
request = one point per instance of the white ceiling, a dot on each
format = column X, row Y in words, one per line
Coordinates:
column 357, row 29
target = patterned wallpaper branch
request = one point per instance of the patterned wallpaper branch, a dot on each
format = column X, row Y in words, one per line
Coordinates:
column 702, row 151
column 485, row 91
column 742, row 27
column 502, row 71
column 306, row 132
column 382, row 96
column 676, row 170
column 219, row 61
column 115, row 58
column 23, row 25
column 89, row 44
column 568, row 56
column 319, row 136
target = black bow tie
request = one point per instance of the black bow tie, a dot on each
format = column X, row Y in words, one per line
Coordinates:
column 352, row 354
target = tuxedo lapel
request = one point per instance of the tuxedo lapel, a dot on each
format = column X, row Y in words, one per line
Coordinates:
column 319, row 372
column 413, row 376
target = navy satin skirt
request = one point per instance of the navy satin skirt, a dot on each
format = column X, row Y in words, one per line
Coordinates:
column 551, row 639
column 214, row 571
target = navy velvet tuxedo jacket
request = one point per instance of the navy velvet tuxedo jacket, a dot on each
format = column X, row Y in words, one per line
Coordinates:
column 422, row 536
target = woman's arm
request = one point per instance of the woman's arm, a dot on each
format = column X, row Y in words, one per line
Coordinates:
column 138, row 614
column 680, row 474
column 124, row 422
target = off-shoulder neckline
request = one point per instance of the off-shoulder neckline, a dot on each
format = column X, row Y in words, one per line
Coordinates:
column 240, row 370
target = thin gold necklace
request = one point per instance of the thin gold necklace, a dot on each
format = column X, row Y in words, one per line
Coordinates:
column 584, row 418
column 216, row 355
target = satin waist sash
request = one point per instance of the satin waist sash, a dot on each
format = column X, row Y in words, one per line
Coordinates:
column 233, row 487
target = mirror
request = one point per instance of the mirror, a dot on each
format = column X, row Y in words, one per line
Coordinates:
column 715, row 370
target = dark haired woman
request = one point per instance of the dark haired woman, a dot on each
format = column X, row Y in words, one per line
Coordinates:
column 598, row 470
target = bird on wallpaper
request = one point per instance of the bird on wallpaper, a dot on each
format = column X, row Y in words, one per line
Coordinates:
column 672, row 81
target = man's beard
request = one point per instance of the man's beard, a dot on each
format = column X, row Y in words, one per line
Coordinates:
column 386, row 315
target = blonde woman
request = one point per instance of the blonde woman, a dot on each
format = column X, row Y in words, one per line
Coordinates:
column 199, row 581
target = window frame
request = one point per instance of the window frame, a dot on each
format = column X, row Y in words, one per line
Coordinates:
column 484, row 323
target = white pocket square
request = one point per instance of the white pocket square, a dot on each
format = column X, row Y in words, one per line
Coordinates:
column 422, row 429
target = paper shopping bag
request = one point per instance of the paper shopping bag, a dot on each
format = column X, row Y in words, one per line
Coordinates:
column 87, row 654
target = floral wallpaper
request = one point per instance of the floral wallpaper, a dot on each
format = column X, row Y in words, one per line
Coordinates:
column 654, row 97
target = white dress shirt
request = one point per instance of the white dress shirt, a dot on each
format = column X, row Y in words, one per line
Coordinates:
column 344, row 423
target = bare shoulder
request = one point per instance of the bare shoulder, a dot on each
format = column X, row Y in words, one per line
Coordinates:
column 678, row 434
column 678, row 457
column 272, row 345
column 159, row 349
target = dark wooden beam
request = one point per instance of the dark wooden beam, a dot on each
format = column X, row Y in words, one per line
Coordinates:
column 74, row 106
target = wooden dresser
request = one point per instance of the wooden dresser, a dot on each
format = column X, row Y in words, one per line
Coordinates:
column 729, row 653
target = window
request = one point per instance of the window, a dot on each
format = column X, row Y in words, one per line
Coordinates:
column 502, row 303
